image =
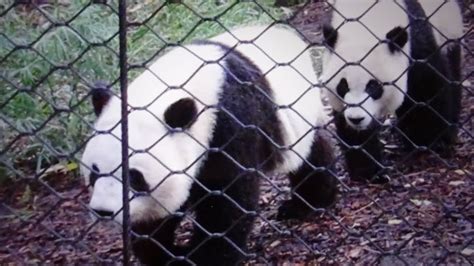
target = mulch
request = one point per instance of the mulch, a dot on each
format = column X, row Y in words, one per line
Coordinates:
column 424, row 216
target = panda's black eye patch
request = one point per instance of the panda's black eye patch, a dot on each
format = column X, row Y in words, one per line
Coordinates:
column 137, row 181
column 374, row 89
column 342, row 88
column 94, row 175
column 181, row 113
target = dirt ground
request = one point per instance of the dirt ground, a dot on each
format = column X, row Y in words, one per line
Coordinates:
column 424, row 216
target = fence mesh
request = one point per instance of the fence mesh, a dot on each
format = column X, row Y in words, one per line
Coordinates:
column 52, row 53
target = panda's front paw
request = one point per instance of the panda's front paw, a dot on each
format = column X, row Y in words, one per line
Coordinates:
column 371, row 172
column 380, row 179
column 292, row 209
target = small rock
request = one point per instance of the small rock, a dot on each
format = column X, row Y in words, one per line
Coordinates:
column 467, row 252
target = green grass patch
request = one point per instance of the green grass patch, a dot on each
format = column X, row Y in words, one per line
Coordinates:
column 49, row 54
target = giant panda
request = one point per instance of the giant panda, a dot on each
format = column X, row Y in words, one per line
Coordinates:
column 398, row 58
column 207, row 121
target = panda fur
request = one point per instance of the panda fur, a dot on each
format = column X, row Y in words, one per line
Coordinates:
column 409, row 52
column 201, row 138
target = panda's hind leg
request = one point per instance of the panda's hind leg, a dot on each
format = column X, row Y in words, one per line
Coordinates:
column 454, row 55
column 428, row 119
column 313, row 185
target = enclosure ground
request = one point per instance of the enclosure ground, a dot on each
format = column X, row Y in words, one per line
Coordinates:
column 425, row 215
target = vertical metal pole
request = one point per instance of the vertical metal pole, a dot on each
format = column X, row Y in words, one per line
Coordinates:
column 124, row 127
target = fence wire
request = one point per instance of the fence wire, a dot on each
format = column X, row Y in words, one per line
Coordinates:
column 56, row 57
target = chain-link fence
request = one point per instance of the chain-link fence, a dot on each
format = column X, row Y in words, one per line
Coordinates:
column 219, row 165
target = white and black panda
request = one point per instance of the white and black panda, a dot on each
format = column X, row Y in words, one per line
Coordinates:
column 206, row 123
column 392, row 57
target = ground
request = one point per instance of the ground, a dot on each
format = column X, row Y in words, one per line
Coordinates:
column 425, row 215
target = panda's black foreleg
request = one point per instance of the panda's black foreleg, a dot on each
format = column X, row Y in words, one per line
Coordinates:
column 313, row 185
column 362, row 151
column 153, row 242
column 225, row 215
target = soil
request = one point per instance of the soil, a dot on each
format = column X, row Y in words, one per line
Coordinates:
column 424, row 216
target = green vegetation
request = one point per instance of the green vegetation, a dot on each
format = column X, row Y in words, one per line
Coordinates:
column 50, row 53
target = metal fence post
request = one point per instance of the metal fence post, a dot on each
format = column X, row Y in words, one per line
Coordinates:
column 124, row 127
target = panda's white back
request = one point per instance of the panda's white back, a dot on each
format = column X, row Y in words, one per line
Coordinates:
column 292, row 83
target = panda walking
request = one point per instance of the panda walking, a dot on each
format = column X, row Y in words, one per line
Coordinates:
column 207, row 122
column 388, row 57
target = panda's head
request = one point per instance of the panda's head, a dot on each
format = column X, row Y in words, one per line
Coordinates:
column 154, row 149
column 170, row 125
column 365, row 78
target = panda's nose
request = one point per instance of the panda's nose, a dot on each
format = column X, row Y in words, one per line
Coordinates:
column 356, row 120
column 103, row 213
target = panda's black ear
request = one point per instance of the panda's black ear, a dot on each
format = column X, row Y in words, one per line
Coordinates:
column 397, row 38
column 181, row 113
column 100, row 96
column 330, row 36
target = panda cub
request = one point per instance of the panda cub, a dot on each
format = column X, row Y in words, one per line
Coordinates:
column 392, row 57
column 207, row 121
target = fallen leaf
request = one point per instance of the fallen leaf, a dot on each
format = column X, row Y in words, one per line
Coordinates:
column 57, row 168
column 394, row 222
column 416, row 202
column 408, row 236
column 426, row 202
column 72, row 166
column 460, row 172
column 355, row 252
column 456, row 183
column 420, row 202
column 275, row 243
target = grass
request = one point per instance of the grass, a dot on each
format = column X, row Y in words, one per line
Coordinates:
column 49, row 54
